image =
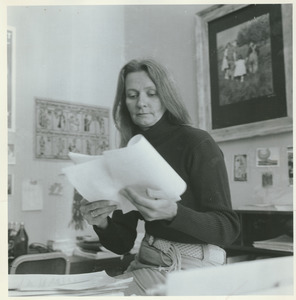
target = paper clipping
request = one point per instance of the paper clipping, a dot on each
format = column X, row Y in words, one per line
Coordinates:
column 138, row 165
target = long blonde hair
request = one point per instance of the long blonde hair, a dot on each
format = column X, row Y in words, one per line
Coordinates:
column 167, row 92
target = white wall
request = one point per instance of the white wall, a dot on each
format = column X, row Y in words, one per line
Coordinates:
column 62, row 53
column 166, row 32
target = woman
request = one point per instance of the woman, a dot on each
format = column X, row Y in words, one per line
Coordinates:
column 179, row 235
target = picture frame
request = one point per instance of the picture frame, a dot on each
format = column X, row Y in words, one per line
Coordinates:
column 240, row 168
column 11, row 36
column 62, row 127
column 268, row 157
column 260, row 112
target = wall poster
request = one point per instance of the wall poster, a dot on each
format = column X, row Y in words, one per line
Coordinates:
column 63, row 127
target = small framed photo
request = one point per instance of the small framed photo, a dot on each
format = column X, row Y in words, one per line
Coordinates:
column 267, row 179
column 11, row 154
column 240, row 167
column 267, row 157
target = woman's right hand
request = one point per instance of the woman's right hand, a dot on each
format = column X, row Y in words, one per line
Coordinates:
column 96, row 213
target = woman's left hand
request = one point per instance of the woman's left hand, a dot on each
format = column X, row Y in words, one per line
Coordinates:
column 152, row 209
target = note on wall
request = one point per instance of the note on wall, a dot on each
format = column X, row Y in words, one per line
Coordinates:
column 32, row 196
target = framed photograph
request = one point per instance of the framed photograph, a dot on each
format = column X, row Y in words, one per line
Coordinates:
column 11, row 78
column 240, row 165
column 267, row 179
column 244, row 70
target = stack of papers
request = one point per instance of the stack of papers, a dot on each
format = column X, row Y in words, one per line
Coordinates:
column 94, row 254
column 93, row 249
column 267, row 207
column 280, row 243
column 138, row 166
column 97, row 283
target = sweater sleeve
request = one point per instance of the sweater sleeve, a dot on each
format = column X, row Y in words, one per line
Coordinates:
column 212, row 220
column 120, row 234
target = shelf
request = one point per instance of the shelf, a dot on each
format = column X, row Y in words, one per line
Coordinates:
column 265, row 212
column 261, row 225
column 254, row 250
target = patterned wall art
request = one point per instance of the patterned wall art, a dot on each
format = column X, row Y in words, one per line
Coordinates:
column 63, row 127
column 267, row 157
column 240, row 167
column 290, row 164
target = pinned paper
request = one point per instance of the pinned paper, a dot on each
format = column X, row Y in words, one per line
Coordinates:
column 32, row 195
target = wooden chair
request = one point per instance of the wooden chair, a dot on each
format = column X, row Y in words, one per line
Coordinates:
column 41, row 263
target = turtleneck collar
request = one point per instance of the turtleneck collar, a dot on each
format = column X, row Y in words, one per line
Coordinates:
column 159, row 130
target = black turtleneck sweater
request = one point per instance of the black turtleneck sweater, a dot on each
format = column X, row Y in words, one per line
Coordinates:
column 204, row 212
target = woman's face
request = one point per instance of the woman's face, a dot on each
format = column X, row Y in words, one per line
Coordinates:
column 142, row 100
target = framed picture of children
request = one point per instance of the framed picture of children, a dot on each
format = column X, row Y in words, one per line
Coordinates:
column 245, row 52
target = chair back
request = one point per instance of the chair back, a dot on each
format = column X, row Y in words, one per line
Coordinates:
column 41, row 263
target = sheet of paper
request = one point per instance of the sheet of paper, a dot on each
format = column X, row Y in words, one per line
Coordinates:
column 32, row 195
column 45, row 282
column 97, row 283
column 138, row 165
column 93, row 292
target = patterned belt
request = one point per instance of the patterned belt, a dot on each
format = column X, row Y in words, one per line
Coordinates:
column 200, row 251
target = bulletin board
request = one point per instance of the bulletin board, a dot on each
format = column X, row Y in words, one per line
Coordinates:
column 63, row 127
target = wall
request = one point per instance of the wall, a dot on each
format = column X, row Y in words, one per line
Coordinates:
column 62, row 53
column 167, row 33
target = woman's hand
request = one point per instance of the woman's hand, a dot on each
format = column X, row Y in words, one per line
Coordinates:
column 152, row 209
column 96, row 213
